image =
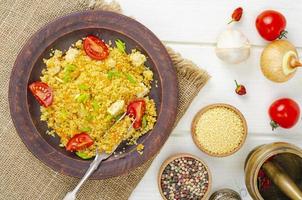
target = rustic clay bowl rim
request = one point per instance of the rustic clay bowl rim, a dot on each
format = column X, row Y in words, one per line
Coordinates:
column 89, row 20
column 181, row 155
column 205, row 109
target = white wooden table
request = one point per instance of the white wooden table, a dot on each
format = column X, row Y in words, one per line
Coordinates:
column 191, row 27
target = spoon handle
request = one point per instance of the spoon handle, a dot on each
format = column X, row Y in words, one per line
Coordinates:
column 93, row 166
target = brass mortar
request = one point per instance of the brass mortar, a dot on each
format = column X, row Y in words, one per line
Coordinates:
column 285, row 171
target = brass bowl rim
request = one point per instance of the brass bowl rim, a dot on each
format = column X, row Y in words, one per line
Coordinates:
column 205, row 109
column 180, row 155
column 269, row 150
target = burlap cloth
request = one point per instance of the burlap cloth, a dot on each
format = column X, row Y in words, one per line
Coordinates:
column 22, row 175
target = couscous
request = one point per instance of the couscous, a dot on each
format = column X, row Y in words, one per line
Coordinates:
column 95, row 96
column 219, row 130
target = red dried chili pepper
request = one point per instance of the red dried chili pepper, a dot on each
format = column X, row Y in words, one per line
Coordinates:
column 240, row 89
column 236, row 16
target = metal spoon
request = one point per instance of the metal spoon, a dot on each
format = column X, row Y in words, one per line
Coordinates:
column 94, row 165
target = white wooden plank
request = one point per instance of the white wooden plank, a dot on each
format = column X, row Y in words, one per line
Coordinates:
column 196, row 21
column 261, row 93
column 226, row 172
column 220, row 89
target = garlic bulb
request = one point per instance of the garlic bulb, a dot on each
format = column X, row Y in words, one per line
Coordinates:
column 232, row 46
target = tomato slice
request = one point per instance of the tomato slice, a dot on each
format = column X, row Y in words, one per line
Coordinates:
column 136, row 109
column 95, row 48
column 79, row 142
column 42, row 92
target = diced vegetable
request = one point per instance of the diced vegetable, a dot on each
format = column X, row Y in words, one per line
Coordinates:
column 120, row 45
column 83, row 87
column 82, row 98
column 144, row 121
column 89, row 117
column 69, row 68
column 83, row 155
column 130, row 78
column 95, row 105
column 144, row 92
column 86, row 129
column 116, row 107
column 137, row 58
column 71, row 54
column 113, row 73
column 111, row 63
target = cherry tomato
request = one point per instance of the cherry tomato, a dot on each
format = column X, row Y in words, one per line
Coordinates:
column 42, row 92
column 95, row 48
column 271, row 25
column 79, row 142
column 284, row 113
column 136, row 109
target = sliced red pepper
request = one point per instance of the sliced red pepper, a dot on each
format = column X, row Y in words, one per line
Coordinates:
column 136, row 109
column 79, row 142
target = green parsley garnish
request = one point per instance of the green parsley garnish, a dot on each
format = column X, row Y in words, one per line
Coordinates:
column 113, row 73
column 89, row 117
column 82, row 98
column 95, row 105
column 86, row 129
column 69, row 68
column 120, row 45
column 130, row 78
column 83, row 87
column 83, row 155
column 144, row 121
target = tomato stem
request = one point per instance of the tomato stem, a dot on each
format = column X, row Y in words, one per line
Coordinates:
column 283, row 34
column 274, row 125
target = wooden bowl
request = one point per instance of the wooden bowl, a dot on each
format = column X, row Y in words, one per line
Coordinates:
column 205, row 109
column 180, row 155
column 60, row 34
